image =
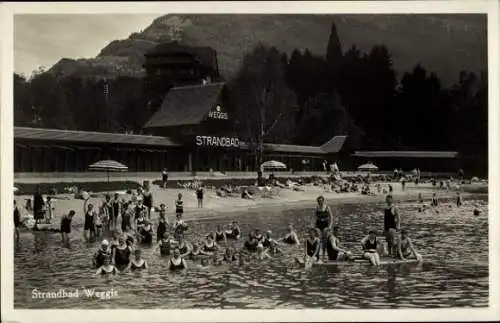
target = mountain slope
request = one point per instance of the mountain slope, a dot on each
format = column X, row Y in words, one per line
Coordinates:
column 445, row 44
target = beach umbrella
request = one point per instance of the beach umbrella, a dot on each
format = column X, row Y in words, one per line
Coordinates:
column 108, row 166
column 273, row 164
column 368, row 167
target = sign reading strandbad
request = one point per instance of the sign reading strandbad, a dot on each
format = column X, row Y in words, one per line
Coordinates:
column 217, row 141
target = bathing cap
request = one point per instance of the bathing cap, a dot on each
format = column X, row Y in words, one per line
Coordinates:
column 104, row 242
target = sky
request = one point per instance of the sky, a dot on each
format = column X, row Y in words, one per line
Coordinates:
column 42, row 40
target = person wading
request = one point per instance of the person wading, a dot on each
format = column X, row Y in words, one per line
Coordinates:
column 323, row 219
column 391, row 224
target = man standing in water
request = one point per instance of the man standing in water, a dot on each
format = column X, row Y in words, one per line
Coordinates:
column 323, row 219
column 391, row 224
column 38, row 206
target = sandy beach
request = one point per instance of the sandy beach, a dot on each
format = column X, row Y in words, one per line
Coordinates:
column 215, row 206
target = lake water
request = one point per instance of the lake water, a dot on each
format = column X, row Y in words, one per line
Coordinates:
column 454, row 274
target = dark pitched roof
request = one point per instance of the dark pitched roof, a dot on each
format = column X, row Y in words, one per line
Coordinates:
column 90, row 137
column 334, row 145
column 406, row 154
column 186, row 105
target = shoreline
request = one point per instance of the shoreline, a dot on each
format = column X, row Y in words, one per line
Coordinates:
column 217, row 207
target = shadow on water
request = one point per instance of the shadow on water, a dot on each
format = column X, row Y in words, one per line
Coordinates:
column 453, row 242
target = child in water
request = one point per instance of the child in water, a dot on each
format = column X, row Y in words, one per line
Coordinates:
column 107, row 268
column 138, row 263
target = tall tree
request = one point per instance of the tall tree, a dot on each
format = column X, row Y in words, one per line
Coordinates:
column 334, row 56
column 264, row 103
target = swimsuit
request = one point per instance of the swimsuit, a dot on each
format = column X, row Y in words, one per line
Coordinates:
column 165, row 248
column 288, row 239
column 332, row 253
column 126, row 220
column 101, row 256
column 219, row 236
column 89, row 221
column 174, row 266
column 368, row 245
column 115, row 206
column 311, row 247
column 208, row 248
column 148, row 200
column 251, row 246
column 179, row 206
column 162, row 228
column 17, row 217
column 104, row 272
column 322, row 218
column 134, row 266
column 122, row 257
column 389, row 219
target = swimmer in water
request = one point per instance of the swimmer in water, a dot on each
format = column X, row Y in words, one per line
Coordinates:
column 262, row 253
column 146, row 232
column 176, row 262
column 230, row 255
column 258, row 235
column 179, row 226
column 234, row 231
column 291, row 236
column 323, row 219
column 251, row 244
column 162, row 222
column 391, row 224
column 17, row 221
column 138, row 263
column 434, row 201
column 89, row 224
column 459, row 199
column 209, row 246
column 104, row 252
column 313, row 245
column 370, row 246
column 121, row 254
column 405, row 247
column 66, row 225
column 333, row 247
column 185, row 247
column 165, row 245
column 270, row 244
column 107, row 268
column 220, row 235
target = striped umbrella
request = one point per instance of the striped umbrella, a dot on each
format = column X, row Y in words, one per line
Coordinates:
column 108, row 165
column 368, row 167
column 273, row 164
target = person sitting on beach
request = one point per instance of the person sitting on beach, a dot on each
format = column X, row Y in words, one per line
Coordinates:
column 405, row 247
column 219, row 235
column 245, row 194
column 138, row 263
column 370, row 246
column 101, row 254
column 165, row 245
column 313, row 245
column 179, row 206
column 89, row 223
column 252, row 242
column 162, row 222
column 121, row 254
column 333, row 247
column 209, row 246
column 146, row 232
column 291, row 236
column 234, row 231
column 107, row 268
column 177, row 262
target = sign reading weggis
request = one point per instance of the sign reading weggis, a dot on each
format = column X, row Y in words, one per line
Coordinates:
column 217, row 141
column 218, row 114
